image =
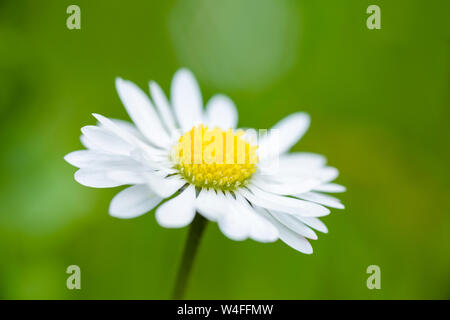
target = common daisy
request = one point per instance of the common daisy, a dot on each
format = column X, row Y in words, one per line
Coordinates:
column 155, row 157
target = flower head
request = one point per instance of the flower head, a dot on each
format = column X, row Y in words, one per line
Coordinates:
column 198, row 159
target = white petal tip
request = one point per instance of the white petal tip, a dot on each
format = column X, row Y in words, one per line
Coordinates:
column 303, row 115
column 120, row 83
column 118, row 216
column 184, row 70
column 80, row 179
column 99, row 117
column 265, row 240
column 68, row 157
column 234, row 238
column 322, row 211
column 169, row 224
column 72, row 158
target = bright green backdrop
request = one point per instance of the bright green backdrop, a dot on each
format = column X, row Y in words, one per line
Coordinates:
column 379, row 102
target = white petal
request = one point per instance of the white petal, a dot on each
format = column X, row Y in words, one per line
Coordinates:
column 87, row 143
column 221, row 112
column 314, row 223
column 81, row 158
column 110, row 126
column 100, row 139
column 101, row 160
column 211, row 205
column 285, row 134
column 284, row 204
column 292, row 183
column 294, row 240
column 261, row 229
column 293, row 223
column 162, row 104
column 133, row 202
column 298, row 162
column 235, row 224
column 149, row 151
column 95, row 179
column 326, row 200
column 164, row 186
column 288, row 236
column 127, row 176
column 128, row 126
column 330, row 187
column 323, row 174
column 186, row 99
column 142, row 112
column 179, row 211
column 285, row 188
column 291, row 163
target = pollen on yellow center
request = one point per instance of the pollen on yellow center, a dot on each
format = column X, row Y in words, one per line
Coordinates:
column 214, row 158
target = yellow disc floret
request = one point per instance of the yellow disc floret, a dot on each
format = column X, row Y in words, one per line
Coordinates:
column 214, row 158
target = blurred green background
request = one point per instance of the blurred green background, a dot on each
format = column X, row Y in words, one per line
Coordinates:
column 379, row 102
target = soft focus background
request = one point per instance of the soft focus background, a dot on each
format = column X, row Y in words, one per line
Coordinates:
column 379, row 102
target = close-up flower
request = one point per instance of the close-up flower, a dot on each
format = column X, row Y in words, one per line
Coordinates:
column 218, row 194
column 245, row 200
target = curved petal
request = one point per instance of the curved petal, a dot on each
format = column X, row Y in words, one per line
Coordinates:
column 211, row 205
column 164, row 186
column 142, row 112
column 323, row 199
column 142, row 147
column 284, row 135
column 298, row 181
column 99, row 160
column 284, row 204
column 133, row 202
column 186, row 99
column 129, row 176
column 96, row 179
column 235, row 223
column 179, row 211
column 288, row 236
column 101, row 139
column 221, row 112
column 314, row 223
column 330, row 187
column 293, row 223
column 296, row 162
column 261, row 229
column 294, row 240
column 162, row 104
column 286, row 188
column 128, row 126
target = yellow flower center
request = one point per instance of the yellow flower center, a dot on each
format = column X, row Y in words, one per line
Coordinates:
column 214, row 158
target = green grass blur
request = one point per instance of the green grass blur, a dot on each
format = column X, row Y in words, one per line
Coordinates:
column 379, row 102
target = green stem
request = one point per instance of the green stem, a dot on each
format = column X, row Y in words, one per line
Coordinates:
column 190, row 250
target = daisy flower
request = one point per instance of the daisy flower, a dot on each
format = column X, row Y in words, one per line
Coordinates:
column 162, row 156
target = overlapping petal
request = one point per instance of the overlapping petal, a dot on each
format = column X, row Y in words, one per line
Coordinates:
column 133, row 202
column 179, row 211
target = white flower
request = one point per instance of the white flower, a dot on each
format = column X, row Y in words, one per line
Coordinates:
column 245, row 202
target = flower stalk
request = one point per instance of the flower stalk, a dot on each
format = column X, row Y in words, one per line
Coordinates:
column 195, row 233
